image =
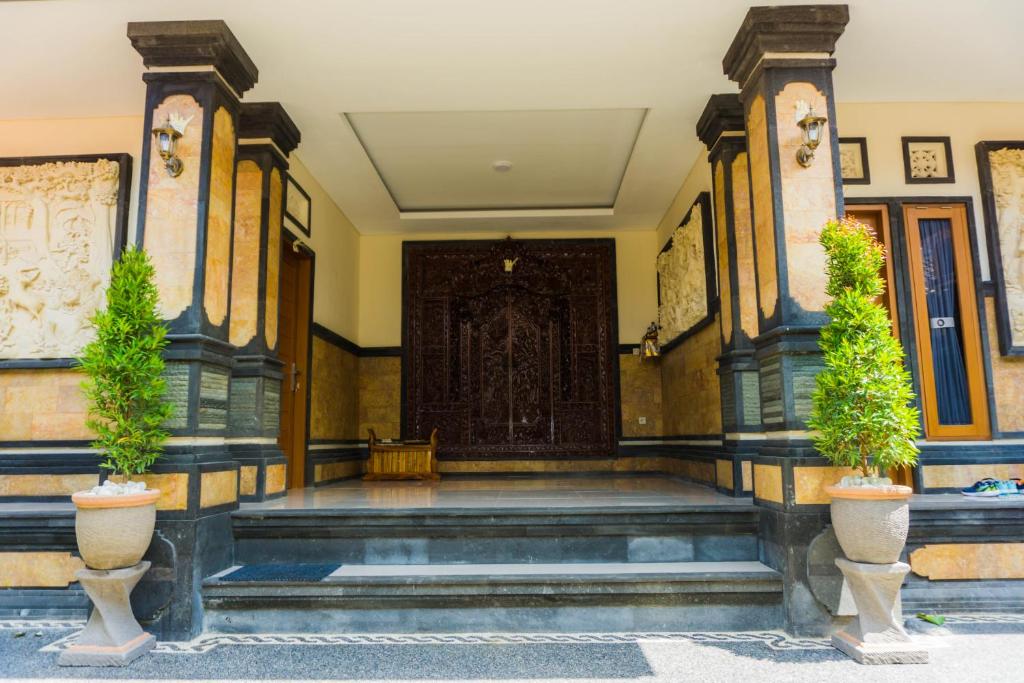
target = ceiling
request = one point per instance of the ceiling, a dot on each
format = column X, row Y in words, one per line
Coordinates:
column 499, row 160
column 397, row 66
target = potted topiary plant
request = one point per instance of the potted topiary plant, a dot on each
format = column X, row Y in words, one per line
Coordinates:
column 862, row 405
column 125, row 389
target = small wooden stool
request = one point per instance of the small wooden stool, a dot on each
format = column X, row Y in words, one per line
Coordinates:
column 402, row 460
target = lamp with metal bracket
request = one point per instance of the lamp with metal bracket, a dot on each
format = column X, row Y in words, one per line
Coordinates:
column 167, row 141
column 813, row 129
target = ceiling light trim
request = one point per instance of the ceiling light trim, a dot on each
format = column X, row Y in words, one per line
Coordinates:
column 455, row 214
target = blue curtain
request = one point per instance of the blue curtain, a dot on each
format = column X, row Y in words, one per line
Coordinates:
column 954, row 407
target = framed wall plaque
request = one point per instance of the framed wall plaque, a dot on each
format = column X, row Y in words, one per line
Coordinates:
column 853, row 161
column 687, row 283
column 297, row 207
column 928, row 160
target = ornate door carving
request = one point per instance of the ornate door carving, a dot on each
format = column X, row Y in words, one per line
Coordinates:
column 509, row 346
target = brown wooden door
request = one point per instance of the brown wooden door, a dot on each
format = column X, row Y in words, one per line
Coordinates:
column 293, row 350
column 510, row 346
column 876, row 216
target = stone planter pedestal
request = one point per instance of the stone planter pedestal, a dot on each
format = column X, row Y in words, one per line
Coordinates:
column 876, row 636
column 112, row 637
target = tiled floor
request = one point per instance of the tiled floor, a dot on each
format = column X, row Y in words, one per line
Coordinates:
column 503, row 492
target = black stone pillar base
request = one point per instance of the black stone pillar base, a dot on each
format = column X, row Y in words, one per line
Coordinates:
column 788, row 360
column 262, row 471
column 193, row 538
column 254, row 422
column 741, row 394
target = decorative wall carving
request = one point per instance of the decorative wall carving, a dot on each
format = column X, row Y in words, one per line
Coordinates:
column 853, row 161
column 513, row 364
column 927, row 160
column 61, row 223
column 686, row 274
column 1001, row 166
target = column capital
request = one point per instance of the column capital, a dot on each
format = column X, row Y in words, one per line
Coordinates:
column 210, row 43
column 796, row 31
column 260, row 122
column 723, row 115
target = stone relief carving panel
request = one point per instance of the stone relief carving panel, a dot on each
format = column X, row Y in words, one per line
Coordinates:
column 58, row 230
column 683, row 274
column 1007, row 172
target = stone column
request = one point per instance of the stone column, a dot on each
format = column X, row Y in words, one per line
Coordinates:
column 196, row 74
column 782, row 60
column 722, row 129
column 266, row 136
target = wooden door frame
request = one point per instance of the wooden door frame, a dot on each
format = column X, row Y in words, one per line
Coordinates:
column 969, row 325
column 291, row 241
column 903, row 287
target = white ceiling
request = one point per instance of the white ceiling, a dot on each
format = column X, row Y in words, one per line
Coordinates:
column 324, row 58
column 438, row 161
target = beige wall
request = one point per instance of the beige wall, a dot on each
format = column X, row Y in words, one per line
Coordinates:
column 697, row 180
column 966, row 123
column 380, row 288
column 336, row 243
column 61, row 137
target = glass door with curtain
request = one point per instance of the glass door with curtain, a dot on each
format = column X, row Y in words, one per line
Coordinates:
column 953, row 394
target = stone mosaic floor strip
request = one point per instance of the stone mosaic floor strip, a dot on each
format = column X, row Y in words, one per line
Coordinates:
column 775, row 640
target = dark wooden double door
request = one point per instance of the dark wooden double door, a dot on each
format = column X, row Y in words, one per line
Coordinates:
column 510, row 346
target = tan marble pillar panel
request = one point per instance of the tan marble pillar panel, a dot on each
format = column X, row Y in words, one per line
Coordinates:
column 724, row 282
column 274, row 257
column 744, row 244
column 764, row 212
column 808, row 196
column 218, row 223
column 172, row 206
column 245, row 276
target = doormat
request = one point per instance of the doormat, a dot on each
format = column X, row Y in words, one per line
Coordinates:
column 281, row 572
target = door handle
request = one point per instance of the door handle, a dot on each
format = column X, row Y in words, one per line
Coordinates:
column 293, row 377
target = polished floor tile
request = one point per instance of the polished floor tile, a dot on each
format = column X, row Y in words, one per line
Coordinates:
column 551, row 491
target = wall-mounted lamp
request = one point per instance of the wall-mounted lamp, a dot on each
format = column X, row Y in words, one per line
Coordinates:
column 167, row 137
column 649, row 347
column 813, row 128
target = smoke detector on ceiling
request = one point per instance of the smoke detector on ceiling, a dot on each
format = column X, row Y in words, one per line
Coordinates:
column 502, row 166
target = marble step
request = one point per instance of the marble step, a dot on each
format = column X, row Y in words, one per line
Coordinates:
column 461, row 536
column 565, row 597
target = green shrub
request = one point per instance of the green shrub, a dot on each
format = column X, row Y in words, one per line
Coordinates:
column 124, row 367
column 862, row 405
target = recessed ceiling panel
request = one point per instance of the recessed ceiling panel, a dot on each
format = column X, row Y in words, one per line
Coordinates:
column 492, row 160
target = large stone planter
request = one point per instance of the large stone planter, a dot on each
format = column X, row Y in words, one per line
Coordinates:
column 871, row 523
column 113, row 532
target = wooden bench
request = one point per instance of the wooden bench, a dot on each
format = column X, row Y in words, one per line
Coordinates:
column 400, row 460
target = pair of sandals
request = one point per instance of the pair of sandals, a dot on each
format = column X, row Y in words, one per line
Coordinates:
column 992, row 488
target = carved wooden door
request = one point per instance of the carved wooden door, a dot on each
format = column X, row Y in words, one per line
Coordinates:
column 511, row 360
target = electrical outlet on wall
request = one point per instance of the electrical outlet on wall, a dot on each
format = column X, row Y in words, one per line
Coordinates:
column 642, row 420
column 636, row 351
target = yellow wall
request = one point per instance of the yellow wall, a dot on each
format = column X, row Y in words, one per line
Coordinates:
column 697, row 180
column 60, row 137
column 336, row 243
column 380, row 287
column 965, row 123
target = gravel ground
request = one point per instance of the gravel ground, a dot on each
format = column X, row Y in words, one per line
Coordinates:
column 967, row 655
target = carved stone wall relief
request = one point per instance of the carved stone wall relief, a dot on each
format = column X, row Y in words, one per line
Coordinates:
column 1002, row 171
column 58, row 231
column 684, row 299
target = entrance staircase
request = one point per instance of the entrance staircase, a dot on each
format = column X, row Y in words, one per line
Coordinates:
column 481, row 569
